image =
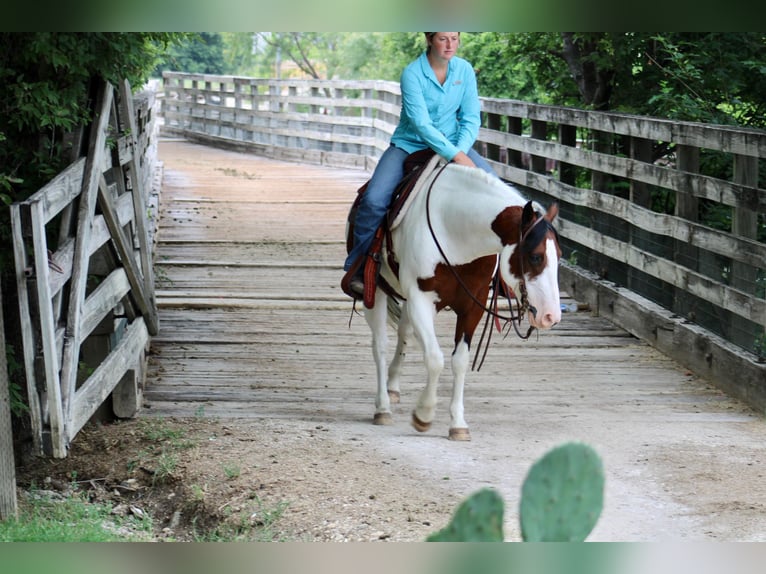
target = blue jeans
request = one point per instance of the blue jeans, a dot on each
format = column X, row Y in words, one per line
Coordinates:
column 377, row 197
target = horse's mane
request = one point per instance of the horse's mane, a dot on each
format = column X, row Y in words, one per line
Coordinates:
column 486, row 180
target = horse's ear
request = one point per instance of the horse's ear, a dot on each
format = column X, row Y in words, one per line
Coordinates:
column 553, row 211
column 528, row 216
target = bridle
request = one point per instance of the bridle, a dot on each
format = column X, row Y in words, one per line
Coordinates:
column 498, row 284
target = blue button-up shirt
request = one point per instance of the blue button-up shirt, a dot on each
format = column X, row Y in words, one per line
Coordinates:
column 445, row 118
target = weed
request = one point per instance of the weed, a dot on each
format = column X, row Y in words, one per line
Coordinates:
column 166, row 464
column 232, row 471
column 254, row 524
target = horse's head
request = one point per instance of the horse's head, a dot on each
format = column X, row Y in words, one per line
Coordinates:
column 530, row 265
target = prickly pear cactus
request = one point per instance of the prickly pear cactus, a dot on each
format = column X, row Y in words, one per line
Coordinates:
column 562, row 495
column 479, row 518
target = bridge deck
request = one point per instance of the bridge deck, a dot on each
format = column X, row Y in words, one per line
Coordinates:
column 253, row 324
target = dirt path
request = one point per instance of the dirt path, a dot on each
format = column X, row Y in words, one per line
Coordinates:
column 257, row 363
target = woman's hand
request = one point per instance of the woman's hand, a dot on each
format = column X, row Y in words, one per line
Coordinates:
column 462, row 159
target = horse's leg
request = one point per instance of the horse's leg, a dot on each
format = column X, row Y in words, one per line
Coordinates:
column 404, row 333
column 458, row 429
column 422, row 313
column 468, row 317
column 376, row 319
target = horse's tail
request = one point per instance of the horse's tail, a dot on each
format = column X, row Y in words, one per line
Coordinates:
column 394, row 308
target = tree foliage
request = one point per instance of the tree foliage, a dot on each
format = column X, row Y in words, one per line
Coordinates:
column 712, row 77
column 200, row 53
column 47, row 81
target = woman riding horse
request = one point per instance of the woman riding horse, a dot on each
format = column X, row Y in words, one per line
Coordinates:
column 440, row 111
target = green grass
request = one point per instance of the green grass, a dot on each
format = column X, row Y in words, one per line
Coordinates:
column 52, row 517
column 166, row 441
column 71, row 518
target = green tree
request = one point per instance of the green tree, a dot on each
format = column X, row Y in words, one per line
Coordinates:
column 46, row 79
column 348, row 56
column 714, row 77
column 200, row 53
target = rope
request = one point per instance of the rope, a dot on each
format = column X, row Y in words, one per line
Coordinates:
column 496, row 281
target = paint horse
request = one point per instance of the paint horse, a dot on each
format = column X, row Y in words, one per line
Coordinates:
column 461, row 228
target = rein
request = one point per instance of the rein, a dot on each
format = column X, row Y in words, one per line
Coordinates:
column 497, row 283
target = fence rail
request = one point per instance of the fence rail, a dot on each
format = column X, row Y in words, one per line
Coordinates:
column 643, row 206
column 84, row 274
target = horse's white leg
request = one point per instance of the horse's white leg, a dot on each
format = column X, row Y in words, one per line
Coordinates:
column 376, row 319
column 458, row 429
column 403, row 335
column 422, row 313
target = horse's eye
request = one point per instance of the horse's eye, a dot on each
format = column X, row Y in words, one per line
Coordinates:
column 536, row 259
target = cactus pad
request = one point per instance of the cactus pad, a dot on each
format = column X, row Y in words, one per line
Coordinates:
column 479, row 518
column 562, row 495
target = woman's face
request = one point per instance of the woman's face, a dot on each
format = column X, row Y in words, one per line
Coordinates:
column 444, row 44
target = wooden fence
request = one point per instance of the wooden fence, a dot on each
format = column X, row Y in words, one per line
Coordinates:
column 634, row 192
column 84, row 275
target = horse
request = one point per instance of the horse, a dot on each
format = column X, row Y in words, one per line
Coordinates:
column 460, row 230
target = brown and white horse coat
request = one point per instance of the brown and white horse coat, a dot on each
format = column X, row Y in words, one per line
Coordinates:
column 474, row 218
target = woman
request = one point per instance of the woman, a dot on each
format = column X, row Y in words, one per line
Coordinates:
column 440, row 110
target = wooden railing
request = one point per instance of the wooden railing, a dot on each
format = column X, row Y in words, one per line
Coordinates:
column 636, row 197
column 86, row 299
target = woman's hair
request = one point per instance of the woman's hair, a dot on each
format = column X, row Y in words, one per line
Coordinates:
column 429, row 36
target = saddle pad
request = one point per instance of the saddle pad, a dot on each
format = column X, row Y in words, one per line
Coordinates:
column 434, row 163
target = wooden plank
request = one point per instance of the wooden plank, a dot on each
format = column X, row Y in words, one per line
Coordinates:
column 103, row 300
column 60, row 191
column 127, row 395
column 95, row 390
column 78, row 283
column 55, row 397
column 8, row 502
column 124, row 248
column 27, row 335
column 138, row 194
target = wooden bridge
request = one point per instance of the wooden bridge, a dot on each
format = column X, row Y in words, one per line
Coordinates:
column 254, row 325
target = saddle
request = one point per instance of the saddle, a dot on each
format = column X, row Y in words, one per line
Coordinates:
column 416, row 168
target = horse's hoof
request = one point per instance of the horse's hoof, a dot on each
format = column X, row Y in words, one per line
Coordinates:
column 463, row 434
column 382, row 419
column 419, row 425
column 393, row 396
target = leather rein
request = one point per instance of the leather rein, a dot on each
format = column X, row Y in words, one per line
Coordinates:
column 498, row 284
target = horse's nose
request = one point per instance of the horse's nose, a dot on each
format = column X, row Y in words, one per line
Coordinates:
column 545, row 320
column 549, row 320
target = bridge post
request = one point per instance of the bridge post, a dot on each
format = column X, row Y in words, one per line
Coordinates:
column 640, row 194
column 514, row 155
column 539, row 132
column 745, row 224
column 568, row 137
column 493, row 150
column 687, row 207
